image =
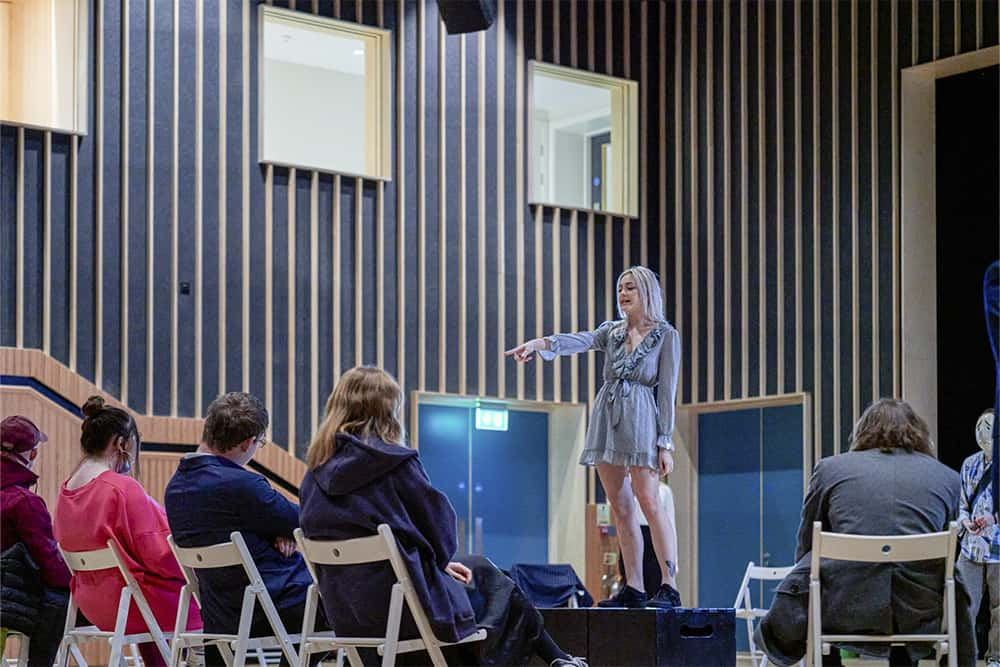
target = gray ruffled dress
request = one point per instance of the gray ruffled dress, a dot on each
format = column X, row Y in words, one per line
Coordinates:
column 634, row 409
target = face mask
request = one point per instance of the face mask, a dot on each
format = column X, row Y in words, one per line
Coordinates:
column 984, row 433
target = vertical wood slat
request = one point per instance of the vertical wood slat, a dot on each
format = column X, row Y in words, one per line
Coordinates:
column 727, row 269
column 643, row 128
column 874, row 146
column 123, row 205
column 556, row 286
column 47, row 244
column 761, row 209
column 855, row 199
column 817, row 256
column 779, row 212
column 199, row 203
column 337, row 286
column 421, row 198
column 292, row 305
column 896, row 332
column 501, row 154
column 662, row 32
column 835, row 86
column 74, row 249
column 98, row 196
column 400, row 197
column 174, row 208
column 314, row 344
column 693, row 198
column 359, row 262
column 678, row 193
column 222, row 217
column 744, row 204
column 481, row 213
column 463, row 264
column 245, row 193
column 710, row 201
column 442, row 216
column 519, row 187
column 539, row 322
column 797, row 78
column 19, row 242
column 151, row 197
column 269, row 292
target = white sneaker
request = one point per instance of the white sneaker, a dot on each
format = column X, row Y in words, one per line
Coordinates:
column 572, row 662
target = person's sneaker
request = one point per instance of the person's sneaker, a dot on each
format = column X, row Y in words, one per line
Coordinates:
column 627, row 598
column 666, row 598
column 572, row 661
column 993, row 662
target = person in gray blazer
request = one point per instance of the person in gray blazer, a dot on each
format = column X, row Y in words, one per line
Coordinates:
column 890, row 483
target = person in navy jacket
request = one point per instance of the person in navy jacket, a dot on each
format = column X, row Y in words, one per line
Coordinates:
column 361, row 475
column 212, row 494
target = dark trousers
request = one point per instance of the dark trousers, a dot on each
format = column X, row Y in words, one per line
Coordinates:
column 48, row 631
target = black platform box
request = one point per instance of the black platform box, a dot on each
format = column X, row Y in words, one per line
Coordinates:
column 570, row 630
column 657, row 638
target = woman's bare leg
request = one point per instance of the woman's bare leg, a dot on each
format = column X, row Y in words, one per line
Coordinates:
column 646, row 486
column 619, row 492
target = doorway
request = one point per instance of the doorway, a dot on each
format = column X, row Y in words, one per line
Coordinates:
column 928, row 338
column 510, row 470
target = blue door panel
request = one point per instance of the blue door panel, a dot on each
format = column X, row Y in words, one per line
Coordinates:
column 510, row 489
column 443, row 437
column 782, row 472
column 728, row 505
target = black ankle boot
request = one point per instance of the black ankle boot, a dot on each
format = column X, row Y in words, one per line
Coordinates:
column 627, row 598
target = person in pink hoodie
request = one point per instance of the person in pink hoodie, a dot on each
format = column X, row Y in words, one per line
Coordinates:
column 100, row 501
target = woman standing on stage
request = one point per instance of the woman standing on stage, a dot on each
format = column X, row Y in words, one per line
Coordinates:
column 630, row 431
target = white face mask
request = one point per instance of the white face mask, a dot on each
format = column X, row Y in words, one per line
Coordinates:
column 984, row 433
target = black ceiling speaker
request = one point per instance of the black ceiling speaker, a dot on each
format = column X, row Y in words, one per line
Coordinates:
column 467, row 15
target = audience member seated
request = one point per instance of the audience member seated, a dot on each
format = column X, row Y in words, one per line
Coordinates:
column 888, row 484
column 100, row 501
column 212, row 494
column 361, row 475
column 35, row 579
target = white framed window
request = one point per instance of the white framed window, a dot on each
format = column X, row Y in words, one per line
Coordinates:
column 324, row 94
column 43, row 64
column 583, row 136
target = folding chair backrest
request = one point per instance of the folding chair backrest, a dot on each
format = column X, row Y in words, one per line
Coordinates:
column 372, row 549
column 757, row 573
column 883, row 549
column 111, row 558
column 89, row 561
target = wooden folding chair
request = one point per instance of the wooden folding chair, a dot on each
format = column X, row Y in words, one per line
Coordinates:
column 883, row 549
column 380, row 547
column 106, row 559
column 234, row 647
column 744, row 604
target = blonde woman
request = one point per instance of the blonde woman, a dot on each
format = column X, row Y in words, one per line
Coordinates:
column 629, row 438
column 361, row 474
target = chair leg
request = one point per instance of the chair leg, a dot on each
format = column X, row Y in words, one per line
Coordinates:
column 354, row 657
column 176, row 649
column 753, row 647
column 246, row 617
column 116, row 653
column 22, row 652
column 77, row 654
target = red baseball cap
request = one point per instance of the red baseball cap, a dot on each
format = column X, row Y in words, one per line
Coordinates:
column 19, row 434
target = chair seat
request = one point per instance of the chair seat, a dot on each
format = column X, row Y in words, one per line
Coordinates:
column 902, row 639
column 93, row 632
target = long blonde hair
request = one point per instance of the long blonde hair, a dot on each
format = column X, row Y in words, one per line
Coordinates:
column 365, row 403
column 650, row 294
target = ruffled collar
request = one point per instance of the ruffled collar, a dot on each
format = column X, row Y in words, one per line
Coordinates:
column 619, row 332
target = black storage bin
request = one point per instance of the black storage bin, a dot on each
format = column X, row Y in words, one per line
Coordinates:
column 701, row 638
column 660, row 638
